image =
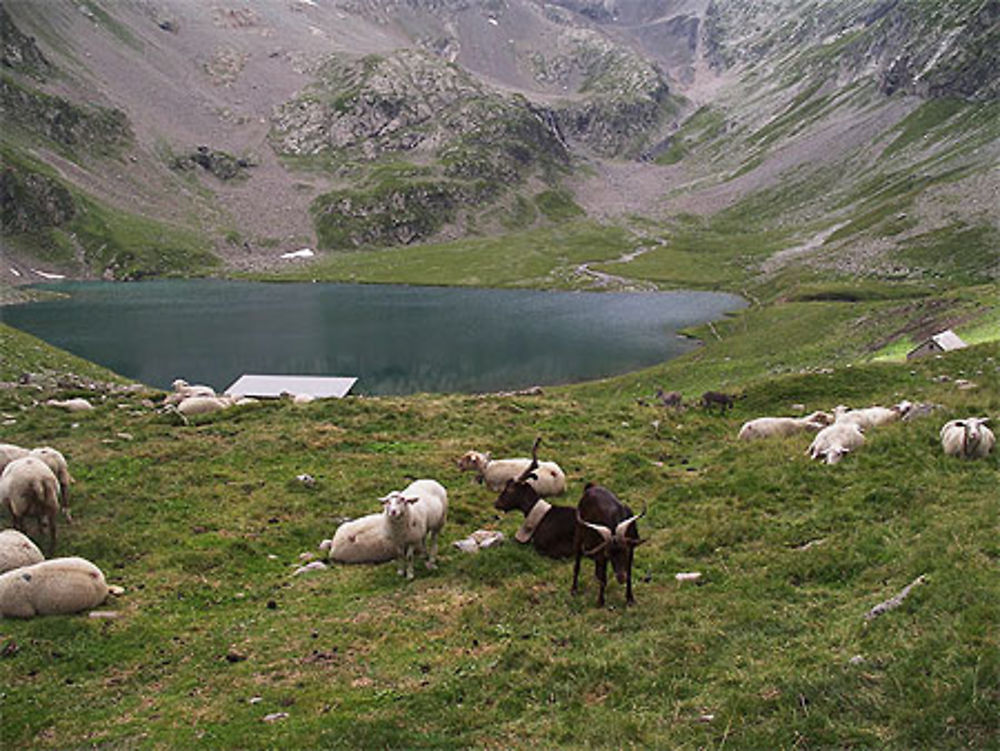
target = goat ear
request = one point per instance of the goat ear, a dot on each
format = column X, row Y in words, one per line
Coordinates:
column 411, row 501
column 636, row 543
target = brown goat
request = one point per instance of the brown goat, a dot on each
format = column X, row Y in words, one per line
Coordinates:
column 550, row 528
column 670, row 398
column 606, row 530
column 716, row 398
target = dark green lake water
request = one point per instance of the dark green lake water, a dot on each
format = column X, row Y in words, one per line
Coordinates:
column 395, row 339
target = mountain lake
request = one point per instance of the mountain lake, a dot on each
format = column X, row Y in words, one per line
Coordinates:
column 395, row 339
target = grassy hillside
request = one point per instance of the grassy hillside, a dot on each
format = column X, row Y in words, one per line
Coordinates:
column 203, row 526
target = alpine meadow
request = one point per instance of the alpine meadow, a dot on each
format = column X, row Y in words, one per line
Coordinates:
column 827, row 579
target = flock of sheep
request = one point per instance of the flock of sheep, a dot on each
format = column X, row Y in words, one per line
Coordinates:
column 35, row 483
column 842, row 431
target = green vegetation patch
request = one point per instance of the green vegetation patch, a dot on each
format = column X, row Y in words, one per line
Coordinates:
column 703, row 253
column 538, row 257
column 219, row 642
column 67, row 125
column 393, row 213
column 557, row 205
column 23, row 353
column 923, row 123
column 960, row 254
column 49, row 220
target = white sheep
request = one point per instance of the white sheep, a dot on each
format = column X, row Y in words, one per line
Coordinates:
column 77, row 404
column 54, row 459
column 203, row 405
column 835, row 441
column 968, row 438
column 773, row 427
column 28, row 488
column 184, row 390
column 16, row 550
column 55, row 587
column 414, row 518
column 57, row 463
column 362, row 540
column 9, row 452
column 496, row 472
column 871, row 417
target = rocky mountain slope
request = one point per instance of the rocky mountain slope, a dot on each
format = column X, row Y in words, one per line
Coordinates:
column 162, row 136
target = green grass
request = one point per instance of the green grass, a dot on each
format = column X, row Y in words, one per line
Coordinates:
column 203, row 525
column 538, row 257
column 23, row 353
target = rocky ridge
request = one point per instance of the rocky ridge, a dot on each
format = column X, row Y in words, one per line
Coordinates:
column 452, row 110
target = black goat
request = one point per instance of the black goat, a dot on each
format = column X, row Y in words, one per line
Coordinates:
column 550, row 528
column 606, row 530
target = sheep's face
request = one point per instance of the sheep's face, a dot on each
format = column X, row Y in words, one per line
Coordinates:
column 835, row 454
column 472, row 460
column 819, row 418
column 396, row 505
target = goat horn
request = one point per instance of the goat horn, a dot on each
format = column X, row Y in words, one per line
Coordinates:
column 603, row 531
column 596, row 550
column 622, row 526
column 599, row 528
column 526, row 475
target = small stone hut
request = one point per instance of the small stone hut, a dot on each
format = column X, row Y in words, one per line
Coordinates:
column 945, row 341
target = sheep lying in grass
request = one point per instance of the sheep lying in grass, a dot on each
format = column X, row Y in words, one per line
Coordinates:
column 362, row 540
column 835, row 441
column 16, row 550
column 414, row 518
column 28, row 488
column 551, row 480
column 773, row 427
column 968, row 438
column 78, row 404
column 55, row 587
column 871, row 417
column 203, row 405
column 184, row 390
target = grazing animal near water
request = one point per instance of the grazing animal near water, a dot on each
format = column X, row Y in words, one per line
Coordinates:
column 606, row 530
column 28, row 488
column 547, row 527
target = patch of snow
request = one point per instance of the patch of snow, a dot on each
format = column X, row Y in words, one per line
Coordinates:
column 304, row 253
column 44, row 275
